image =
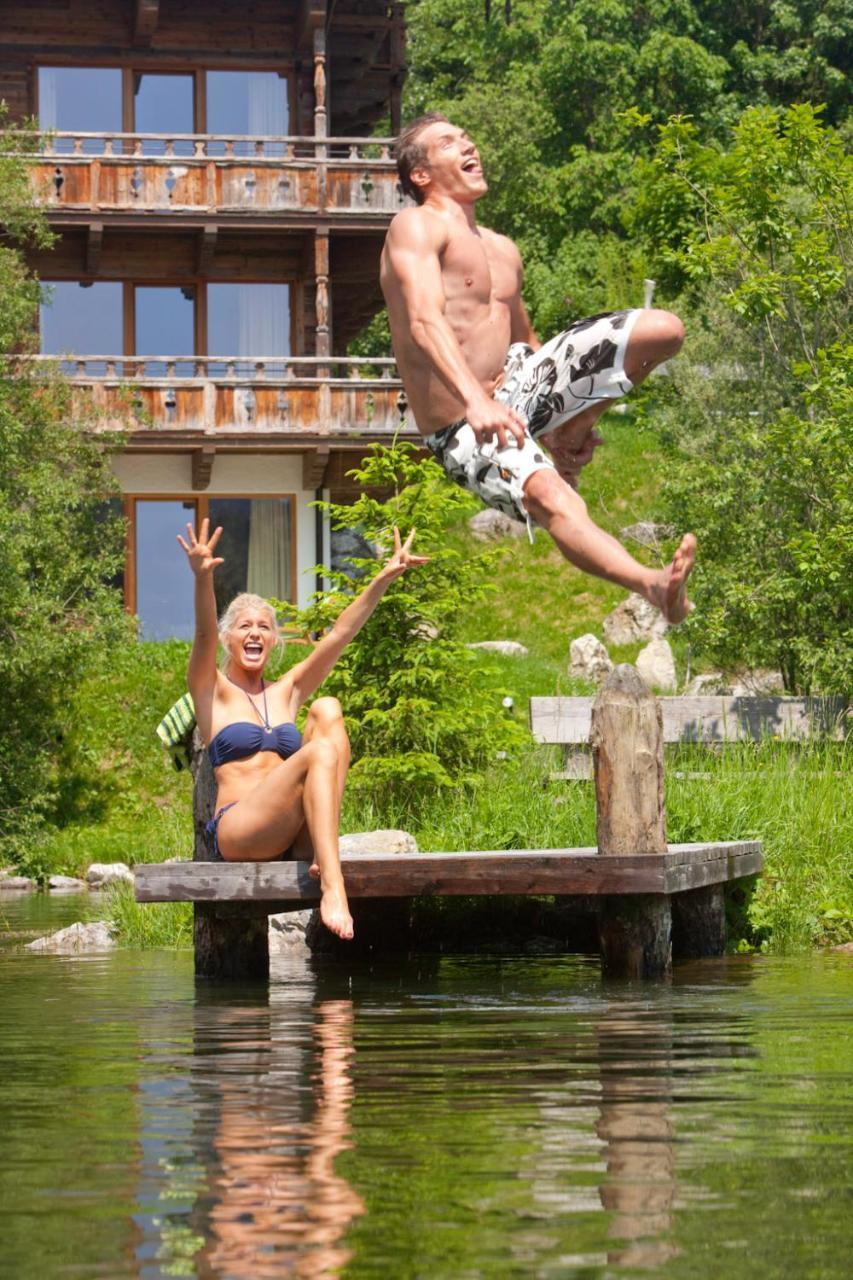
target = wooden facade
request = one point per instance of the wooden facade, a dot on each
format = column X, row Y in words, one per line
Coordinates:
column 193, row 208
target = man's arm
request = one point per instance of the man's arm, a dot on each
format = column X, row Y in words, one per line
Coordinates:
column 412, row 278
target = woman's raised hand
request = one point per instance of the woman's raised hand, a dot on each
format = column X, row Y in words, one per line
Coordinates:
column 402, row 558
column 200, row 549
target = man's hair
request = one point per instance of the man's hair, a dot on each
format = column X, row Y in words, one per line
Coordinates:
column 411, row 154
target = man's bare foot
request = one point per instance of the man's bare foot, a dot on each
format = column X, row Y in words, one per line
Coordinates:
column 669, row 592
column 334, row 912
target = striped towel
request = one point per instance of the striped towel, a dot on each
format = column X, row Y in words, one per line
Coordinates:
column 175, row 731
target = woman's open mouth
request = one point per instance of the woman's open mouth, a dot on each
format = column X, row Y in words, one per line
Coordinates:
column 253, row 649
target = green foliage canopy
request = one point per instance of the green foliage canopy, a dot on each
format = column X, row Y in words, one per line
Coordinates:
column 762, row 420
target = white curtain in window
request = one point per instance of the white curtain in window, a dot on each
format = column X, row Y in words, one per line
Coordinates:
column 47, row 98
column 268, row 572
column 263, row 320
column 267, row 104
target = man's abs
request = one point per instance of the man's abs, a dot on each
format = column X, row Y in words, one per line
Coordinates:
column 433, row 404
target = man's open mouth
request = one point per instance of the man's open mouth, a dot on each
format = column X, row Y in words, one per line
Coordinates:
column 471, row 166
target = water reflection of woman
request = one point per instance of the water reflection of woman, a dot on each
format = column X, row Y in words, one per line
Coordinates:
column 277, row 789
column 281, row 1209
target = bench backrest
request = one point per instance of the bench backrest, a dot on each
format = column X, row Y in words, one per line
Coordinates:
column 566, row 721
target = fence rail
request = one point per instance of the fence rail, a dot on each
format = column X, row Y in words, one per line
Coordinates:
column 104, row 172
column 225, row 394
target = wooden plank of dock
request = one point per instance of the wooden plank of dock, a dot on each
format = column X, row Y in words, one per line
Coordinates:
column 496, row 872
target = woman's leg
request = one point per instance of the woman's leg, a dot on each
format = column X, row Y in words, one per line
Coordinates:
column 303, row 789
column 325, row 720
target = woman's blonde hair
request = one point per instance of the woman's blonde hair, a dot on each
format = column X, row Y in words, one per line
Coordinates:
column 246, row 600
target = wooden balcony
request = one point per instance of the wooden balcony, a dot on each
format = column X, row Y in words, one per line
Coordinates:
column 172, row 398
column 84, row 175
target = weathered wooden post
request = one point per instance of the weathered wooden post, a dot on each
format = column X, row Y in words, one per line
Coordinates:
column 230, row 940
column 627, row 752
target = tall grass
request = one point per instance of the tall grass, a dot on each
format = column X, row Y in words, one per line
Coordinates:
column 147, row 924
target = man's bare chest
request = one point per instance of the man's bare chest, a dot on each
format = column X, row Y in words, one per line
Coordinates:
column 472, row 271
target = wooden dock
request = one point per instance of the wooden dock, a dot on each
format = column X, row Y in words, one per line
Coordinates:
column 646, row 889
column 407, row 875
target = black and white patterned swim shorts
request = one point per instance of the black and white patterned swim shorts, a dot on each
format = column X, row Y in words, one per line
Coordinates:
column 578, row 368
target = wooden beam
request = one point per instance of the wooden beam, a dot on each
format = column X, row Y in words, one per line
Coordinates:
column 310, row 15
column 94, row 243
column 315, row 464
column 704, row 719
column 380, row 875
column 145, row 18
column 206, row 248
column 202, row 465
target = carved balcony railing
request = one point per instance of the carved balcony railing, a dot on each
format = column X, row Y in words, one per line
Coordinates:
column 227, row 395
column 103, row 173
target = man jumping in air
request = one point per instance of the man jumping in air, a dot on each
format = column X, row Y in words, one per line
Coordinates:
column 485, row 393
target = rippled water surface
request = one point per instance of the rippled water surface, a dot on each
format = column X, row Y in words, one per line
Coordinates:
column 451, row 1117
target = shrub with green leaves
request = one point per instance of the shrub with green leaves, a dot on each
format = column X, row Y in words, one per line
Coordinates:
column 761, row 418
column 58, row 615
column 412, row 692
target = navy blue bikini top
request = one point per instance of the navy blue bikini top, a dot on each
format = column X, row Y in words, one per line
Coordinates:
column 243, row 739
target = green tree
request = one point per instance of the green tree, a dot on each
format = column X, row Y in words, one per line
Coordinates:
column 408, row 684
column 58, row 616
column 761, row 419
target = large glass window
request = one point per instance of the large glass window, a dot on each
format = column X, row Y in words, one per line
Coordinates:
column 253, row 103
column 163, row 104
column 250, row 320
column 164, row 583
column 82, row 318
column 85, row 99
column 165, row 326
column 257, row 544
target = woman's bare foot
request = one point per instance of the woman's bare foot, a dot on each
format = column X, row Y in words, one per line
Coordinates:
column 669, row 592
column 334, row 911
column 314, row 870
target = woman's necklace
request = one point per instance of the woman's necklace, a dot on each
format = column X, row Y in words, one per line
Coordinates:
column 263, row 717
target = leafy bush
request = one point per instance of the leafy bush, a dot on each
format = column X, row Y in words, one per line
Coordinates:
column 761, row 420
column 58, row 615
column 409, row 686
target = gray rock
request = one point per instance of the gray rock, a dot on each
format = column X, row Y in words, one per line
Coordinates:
column 76, row 939
column 632, row 620
column 347, row 545
column 758, row 682
column 511, row 648
column 589, row 660
column 388, row 841
column 66, row 884
column 646, row 533
column 656, row 665
column 11, row 883
column 100, row 874
column 287, row 932
column 491, row 526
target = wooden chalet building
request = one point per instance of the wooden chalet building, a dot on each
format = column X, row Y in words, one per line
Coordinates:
column 220, row 208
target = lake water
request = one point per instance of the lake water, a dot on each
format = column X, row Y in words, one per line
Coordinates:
column 457, row 1117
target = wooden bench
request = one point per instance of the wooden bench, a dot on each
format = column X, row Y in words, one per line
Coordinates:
column 654, row 899
column 708, row 721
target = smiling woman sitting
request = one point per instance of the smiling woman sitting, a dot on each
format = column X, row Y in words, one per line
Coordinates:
column 277, row 790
